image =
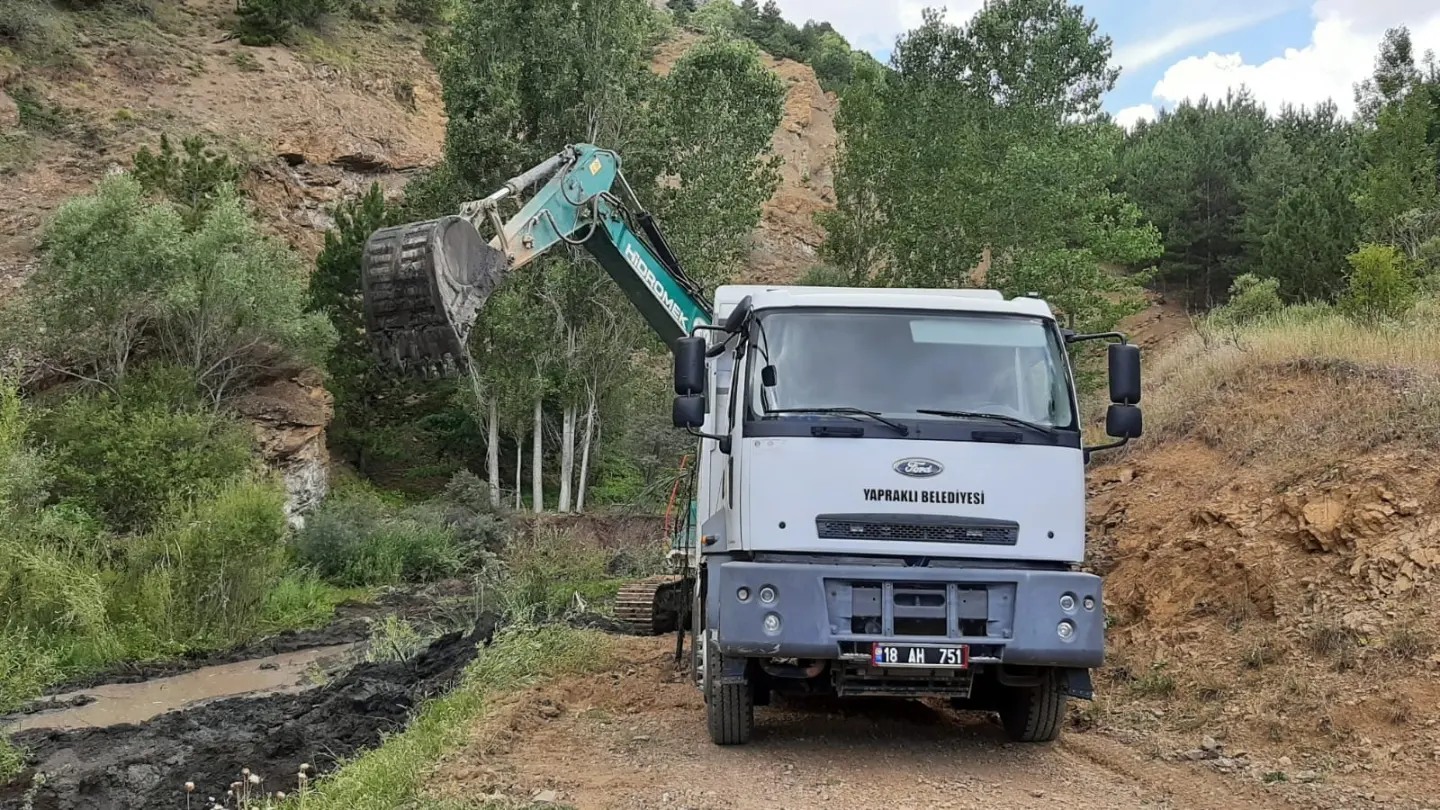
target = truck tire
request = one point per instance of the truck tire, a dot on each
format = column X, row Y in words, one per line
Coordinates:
column 1034, row 713
column 730, row 707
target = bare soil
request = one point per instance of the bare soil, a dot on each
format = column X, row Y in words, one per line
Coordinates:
column 635, row 738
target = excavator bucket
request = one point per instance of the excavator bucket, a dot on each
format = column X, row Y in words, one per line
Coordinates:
column 423, row 285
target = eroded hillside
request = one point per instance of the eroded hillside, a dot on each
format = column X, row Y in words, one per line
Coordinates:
column 316, row 123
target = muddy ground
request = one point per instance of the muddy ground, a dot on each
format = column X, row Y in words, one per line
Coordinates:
column 146, row 765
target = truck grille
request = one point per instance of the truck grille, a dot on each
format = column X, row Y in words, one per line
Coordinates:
column 922, row 528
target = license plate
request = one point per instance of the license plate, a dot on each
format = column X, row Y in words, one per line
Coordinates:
column 911, row 655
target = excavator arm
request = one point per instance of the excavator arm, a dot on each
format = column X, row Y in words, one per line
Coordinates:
column 424, row 284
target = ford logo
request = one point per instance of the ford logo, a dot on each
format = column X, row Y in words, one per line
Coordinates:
column 919, row 467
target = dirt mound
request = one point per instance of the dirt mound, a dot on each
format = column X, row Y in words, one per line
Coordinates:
column 146, row 765
column 1270, row 570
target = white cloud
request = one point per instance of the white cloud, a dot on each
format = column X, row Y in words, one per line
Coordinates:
column 872, row 25
column 1138, row 54
column 1130, row 116
column 1341, row 52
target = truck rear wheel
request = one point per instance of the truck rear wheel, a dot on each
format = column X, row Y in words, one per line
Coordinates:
column 1034, row 713
column 729, row 707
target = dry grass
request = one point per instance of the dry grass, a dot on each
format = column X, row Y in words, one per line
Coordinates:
column 1341, row 364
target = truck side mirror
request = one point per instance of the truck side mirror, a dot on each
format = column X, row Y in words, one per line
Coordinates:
column 689, row 411
column 1124, row 362
column 690, row 366
column 1124, row 422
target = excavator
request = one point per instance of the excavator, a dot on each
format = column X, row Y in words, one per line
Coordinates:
column 424, row 285
column 887, row 496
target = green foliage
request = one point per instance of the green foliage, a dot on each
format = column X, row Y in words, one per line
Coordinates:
column 128, row 461
column 1187, row 171
column 356, row 539
column 270, row 22
column 123, row 276
column 299, row 600
column 1019, row 84
column 194, row 180
column 219, row 557
column 1251, row 298
column 709, row 129
column 44, row 117
column 422, row 12
column 1380, row 284
column 816, row 43
column 547, row 568
column 12, row 759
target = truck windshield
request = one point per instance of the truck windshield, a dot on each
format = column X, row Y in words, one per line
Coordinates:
column 900, row 364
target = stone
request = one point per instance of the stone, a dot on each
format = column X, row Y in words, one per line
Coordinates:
column 549, row 712
column 1285, row 762
column 546, row 797
column 1209, row 743
column 1307, row 776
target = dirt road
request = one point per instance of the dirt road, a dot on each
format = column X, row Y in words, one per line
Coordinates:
column 635, row 738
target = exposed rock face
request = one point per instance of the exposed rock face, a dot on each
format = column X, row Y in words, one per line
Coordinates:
column 289, row 415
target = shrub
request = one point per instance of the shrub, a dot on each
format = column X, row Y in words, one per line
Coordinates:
column 123, row 275
column 1251, row 298
column 1380, row 283
column 422, row 12
column 270, row 22
column 547, row 568
column 217, row 561
column 355, row 540
column 129, row 462
column 193, row 179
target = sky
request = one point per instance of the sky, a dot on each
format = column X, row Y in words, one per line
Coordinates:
column 1285, row 51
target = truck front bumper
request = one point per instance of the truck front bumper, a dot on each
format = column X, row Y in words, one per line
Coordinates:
column 829, row 612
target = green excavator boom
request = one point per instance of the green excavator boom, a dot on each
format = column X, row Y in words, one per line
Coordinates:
column 425, row 283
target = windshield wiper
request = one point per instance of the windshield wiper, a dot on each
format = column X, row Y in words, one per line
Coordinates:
column 890, row 423
column 1011, row 420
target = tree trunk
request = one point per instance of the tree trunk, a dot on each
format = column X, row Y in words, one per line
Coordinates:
column 537, row 460
column 492, row 454
column 585, row 452
column 567, row 456
column 519, row 466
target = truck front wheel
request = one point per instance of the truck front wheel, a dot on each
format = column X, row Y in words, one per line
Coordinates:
column 1034, row 713
column 729, row 707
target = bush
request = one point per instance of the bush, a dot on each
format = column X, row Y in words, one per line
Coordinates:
column 129, row 463
column 422, row 12
column 354, row 539
column 201, row 579
column 122, row 275
column 194, row 180
column 270, row 22
column 1251, row 298
column 1380, row 284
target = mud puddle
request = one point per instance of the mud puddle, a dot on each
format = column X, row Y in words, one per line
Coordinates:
column 147, row 763
column 118, row 703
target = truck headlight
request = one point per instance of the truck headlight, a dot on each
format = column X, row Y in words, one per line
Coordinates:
column 767, row 595
column 772, row 624
column 1066, row 630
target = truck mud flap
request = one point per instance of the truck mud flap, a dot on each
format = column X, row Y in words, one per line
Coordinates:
column 1078, row 684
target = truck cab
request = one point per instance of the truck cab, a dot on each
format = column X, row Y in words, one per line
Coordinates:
column 891, row 501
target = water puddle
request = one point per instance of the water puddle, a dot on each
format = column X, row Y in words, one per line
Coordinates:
column 114, row 704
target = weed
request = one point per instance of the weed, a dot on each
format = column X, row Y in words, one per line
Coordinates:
column 1274, row 776
column 1406, row 643
column 300, row 599
column 548, row 570
column 12, row 761
column 44, row 117
column 394, row 639
column 1211, row 690
column 1155, row 683
column 246, row 62
column 1399, row 710
column 1331, row 639
column 1263, row 651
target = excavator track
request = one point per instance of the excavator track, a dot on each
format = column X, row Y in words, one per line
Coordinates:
column 654, row 606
